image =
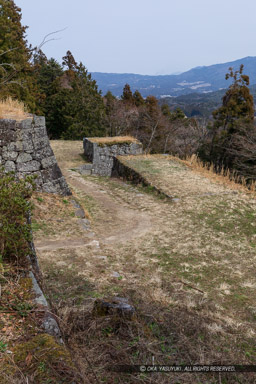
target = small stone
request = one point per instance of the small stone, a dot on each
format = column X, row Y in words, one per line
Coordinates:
column 102, row 258
column 116, row 307
column 94, row 243
column 80, row 213
column 90, row 234
column 85, row 224
column 115, row 274
column 75, row 203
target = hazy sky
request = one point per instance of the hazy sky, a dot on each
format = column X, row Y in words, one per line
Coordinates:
column 144, row 36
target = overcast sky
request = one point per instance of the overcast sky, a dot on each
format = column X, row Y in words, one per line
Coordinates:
column 144, row 36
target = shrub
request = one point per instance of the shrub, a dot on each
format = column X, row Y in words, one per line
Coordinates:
column 15, row 232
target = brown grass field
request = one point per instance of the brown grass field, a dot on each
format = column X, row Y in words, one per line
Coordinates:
column 187, row 265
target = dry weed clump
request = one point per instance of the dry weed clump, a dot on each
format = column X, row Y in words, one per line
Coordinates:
column 225, row 176
column 13, row 109
column 166, row 335
column 113, row 140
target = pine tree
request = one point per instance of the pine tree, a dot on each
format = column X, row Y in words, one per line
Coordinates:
column 48, row 73
column 69, row 61
column 87, row 105
column 16, row 77
column 166, row 110
column 138, row 99
column 110, row 100
column 75, row 108
column 233, row 125
column 127, row 96
column 237, row 102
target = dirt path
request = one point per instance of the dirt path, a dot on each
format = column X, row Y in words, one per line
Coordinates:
column 121, row 222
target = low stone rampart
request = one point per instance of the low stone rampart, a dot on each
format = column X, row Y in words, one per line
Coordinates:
column 102, row 155
column 25, row 149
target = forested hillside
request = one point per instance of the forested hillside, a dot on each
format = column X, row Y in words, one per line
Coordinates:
column 198, row 80
column 67, row 95
column 200, row 105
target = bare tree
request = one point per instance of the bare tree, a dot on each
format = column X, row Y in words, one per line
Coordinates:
column 240, row 151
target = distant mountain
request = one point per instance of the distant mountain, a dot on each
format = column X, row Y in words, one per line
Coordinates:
column 197, row 80
column 199, row 104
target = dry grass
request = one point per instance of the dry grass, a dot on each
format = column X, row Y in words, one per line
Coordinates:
column 13, row 109
column 146, row 163
column 23, row 346
column 69, row 153
column 54, row 215
column 113, row 140
column 190, row 276
column 225, row 177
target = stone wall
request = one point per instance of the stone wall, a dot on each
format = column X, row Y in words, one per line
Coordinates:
column 102, row 155
column 25, row 149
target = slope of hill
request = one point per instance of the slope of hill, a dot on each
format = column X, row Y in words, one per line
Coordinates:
column 199, row 104
column 198, row 80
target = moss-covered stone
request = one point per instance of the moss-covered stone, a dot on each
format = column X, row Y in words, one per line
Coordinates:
column 41, row 359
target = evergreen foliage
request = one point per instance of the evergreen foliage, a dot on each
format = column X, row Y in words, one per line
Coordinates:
column 127, row 96
column 14, row 209
column 232, row 137
column 16, row 72
column 70, row 99
column 138, row 99
column 237, row 102
column 177, row 114
column 110, row 100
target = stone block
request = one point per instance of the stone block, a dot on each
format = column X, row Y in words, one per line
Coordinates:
column 48, row 161
column 28, row 146
column 10, row 155
column 24, row 157
column 43, row 153
column 51, row 173
column 26, row 124
column 87, row 167
column 39, row 121
column 41, row 143
column 10, row 166
column 85, row 172
column 30, row 166
column 39, row 132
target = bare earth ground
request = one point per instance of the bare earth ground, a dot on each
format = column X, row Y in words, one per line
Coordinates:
column 187, row 266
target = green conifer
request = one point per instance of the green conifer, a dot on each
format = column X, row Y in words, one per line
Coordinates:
column 16, row 72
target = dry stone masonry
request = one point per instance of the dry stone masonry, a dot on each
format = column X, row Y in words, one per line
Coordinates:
column 25, row 149
column 102, row 155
